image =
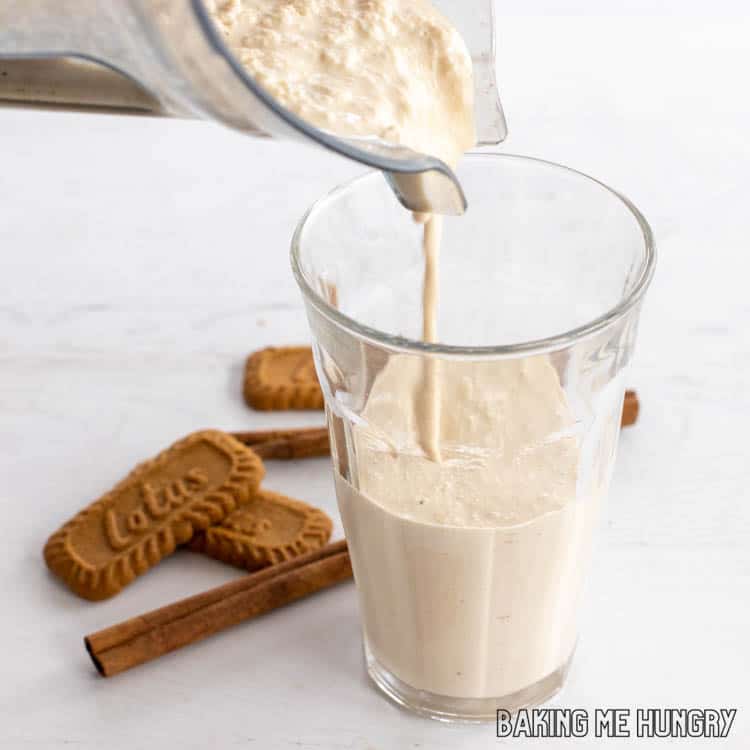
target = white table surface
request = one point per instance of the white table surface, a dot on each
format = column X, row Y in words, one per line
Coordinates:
column 140, row 260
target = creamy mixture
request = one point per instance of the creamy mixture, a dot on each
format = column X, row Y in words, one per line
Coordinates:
column 466, row 542
column 509, row 453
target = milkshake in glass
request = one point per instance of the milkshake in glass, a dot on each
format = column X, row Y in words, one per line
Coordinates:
column 470, row 563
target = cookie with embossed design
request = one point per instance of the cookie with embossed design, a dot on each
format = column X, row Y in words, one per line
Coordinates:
column 281, row 378
column 193, row 484
column 268, row 529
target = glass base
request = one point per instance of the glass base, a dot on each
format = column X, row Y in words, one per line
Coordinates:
column 466, row 710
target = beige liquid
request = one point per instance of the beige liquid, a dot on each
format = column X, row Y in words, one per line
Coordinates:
column 428, row 399
column 467, row 612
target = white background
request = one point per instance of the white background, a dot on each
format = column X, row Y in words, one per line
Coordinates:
column 141, row 260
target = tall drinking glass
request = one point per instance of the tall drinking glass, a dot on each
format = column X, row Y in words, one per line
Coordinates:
column 469, row 564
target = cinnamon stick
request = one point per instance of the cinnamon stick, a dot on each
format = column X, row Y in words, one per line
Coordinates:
column 302, row 442
column 150, row 635
column 303, row 446
column 630, row 409
column 256, row 437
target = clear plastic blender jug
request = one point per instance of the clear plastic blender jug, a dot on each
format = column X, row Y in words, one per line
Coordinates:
column 165, row 57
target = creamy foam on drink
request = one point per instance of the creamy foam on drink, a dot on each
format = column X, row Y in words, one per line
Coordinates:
column 464, row 531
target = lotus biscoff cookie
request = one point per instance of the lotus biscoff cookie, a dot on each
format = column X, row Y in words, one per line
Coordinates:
column 280, row 378
column 268, row 529
column 193, row 484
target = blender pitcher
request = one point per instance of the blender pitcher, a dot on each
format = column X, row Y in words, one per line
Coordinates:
column 165, row 57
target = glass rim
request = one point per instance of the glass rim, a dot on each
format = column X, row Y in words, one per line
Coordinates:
column 534, row 346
